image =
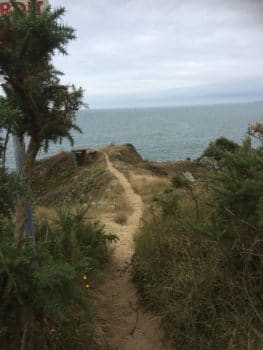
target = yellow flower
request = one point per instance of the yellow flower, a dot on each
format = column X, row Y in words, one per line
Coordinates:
column 87, row 286
column 84, row 277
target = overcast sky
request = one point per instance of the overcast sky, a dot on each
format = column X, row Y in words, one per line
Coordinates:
column 164, row 52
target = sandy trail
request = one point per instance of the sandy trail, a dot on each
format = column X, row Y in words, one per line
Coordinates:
column 127, row 325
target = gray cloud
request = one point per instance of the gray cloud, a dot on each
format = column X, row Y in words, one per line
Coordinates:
column 153, row 51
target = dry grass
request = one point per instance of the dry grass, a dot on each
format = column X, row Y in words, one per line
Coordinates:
column 57, row 180
column 126, row 153
column 42, row 213
column 173, row 167
column 197, row 286
column 147, row 185
column 189, row 281
column 120, row 218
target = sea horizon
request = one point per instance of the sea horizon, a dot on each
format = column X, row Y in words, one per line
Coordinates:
column 200, row 104
column 168, row 133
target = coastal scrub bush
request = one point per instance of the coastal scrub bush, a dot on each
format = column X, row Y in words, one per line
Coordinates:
column 47, row 298
column 221, row 144
column 168, row 203
column 204, row 275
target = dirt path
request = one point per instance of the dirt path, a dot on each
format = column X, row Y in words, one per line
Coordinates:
column 127, row 325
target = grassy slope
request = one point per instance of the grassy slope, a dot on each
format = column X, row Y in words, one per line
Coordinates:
column 204, row 291
column 59, row 182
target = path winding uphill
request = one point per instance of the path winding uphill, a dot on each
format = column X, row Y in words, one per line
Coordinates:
column 127, row 325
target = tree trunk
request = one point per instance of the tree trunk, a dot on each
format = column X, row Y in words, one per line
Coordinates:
column 22, row 203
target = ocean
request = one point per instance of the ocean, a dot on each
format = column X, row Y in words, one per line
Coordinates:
column 160, row 134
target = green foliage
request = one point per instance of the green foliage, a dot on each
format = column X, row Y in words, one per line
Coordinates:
column 10, row 185
column 27, row 30
column 8, row 114
column 10, row 188
column 9, row 117
column 203, row 275
column 239, row 190
column 168, row 203
column 27, row 43
column 73, row 237
column 221, row 144
column 48, row 298
column 47, row 108
column 180, row 182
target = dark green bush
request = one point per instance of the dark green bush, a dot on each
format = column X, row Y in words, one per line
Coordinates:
column 221, row 144
column 47, row 297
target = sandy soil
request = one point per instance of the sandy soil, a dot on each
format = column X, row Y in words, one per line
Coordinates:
column 127, row 325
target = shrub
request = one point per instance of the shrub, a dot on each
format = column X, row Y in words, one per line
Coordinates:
column 221, row 144
column 47, row 295
column 204, row 275
column 168, row 203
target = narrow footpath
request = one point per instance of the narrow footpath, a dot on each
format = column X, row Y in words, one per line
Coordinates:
column 127, row 325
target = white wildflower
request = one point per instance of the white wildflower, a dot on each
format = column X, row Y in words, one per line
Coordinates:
column 189, row 177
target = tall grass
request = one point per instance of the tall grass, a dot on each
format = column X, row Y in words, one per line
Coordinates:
column 203, row 273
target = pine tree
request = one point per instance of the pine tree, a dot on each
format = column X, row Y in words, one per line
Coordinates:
column 28, row 41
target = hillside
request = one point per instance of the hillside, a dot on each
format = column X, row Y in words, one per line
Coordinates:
column 118, row 185
column 57, row 179
column 169, row 210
